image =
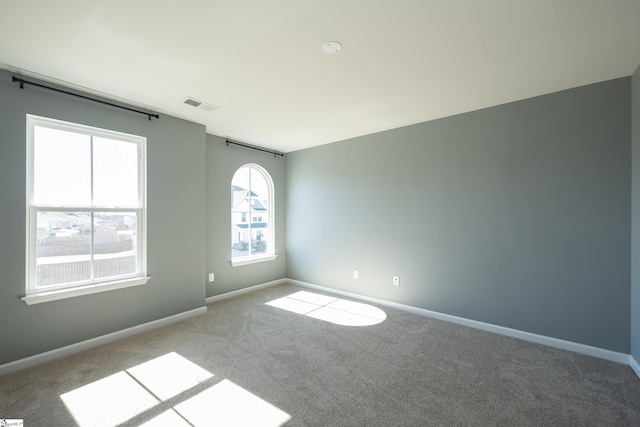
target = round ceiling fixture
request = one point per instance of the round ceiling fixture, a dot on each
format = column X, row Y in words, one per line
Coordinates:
column 332, row 47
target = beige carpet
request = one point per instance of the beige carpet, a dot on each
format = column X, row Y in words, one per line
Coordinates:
column 295, row 362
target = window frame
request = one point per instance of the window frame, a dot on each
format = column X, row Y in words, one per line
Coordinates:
column 35, row 294
column 271, row 241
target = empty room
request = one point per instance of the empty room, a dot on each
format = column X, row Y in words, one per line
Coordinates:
column 357, row 213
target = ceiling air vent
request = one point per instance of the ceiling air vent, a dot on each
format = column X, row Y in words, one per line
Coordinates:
column 199, row 104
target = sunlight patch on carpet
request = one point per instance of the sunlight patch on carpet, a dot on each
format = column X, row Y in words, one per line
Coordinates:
column 109, row 401
column 330, row 309
column 169, row 375
column 136, row 393
column 227, row 404
column 168, row 418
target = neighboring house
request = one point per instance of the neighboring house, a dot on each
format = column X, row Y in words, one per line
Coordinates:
column 62, row 225
column 249, row 216
column 64, row 246
column 58, row 230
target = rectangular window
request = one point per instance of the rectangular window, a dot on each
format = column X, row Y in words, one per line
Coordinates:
column 86, row 210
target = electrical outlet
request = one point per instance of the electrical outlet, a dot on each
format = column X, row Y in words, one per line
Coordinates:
column 211, row 277
column 396, row 280
column 355, row 274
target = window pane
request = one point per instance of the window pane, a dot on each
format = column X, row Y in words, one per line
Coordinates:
column 99, row 175
column 114, row 240
column 239, row 235
column 260, row 191
column 251, row 231
column 259, row 238
column 62, row 167
column 63, row 248
column 241, row 178
column 115, row 173
column 240, row 199
column 240, row 213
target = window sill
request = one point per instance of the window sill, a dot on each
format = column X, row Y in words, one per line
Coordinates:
column 245, row 261
column 46, row 296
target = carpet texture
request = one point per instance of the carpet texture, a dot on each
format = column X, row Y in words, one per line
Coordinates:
column 248, row 363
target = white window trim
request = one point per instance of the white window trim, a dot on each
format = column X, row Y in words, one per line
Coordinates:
column 58, row 294
column 253, row 259
column 36, row 295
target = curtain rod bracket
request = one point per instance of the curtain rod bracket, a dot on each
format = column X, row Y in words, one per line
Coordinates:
column 23, row 82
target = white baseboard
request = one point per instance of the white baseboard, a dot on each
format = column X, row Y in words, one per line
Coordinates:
column 27, row 362
column 232, row 294
column 527, row 336
column 634, row 365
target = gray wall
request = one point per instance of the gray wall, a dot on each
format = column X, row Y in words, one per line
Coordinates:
column 176, row 220
column 222, row 163
column 635, row 221
column 516, row 215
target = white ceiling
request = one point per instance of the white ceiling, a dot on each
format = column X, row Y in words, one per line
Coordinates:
column 262, row 63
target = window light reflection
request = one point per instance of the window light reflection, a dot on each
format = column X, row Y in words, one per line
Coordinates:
column 109, row 401
column 228, row 404
column 168, row 418
column 169, row 375
column 330, row 309
column 137, row 392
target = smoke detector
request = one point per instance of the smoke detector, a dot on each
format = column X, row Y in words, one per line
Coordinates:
column 199, row 104
column 332, row 47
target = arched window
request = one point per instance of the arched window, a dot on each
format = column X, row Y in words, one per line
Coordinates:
column 252, row 219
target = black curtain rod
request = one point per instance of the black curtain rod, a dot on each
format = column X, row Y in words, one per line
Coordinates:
column 23, row 82
column 275, row 153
